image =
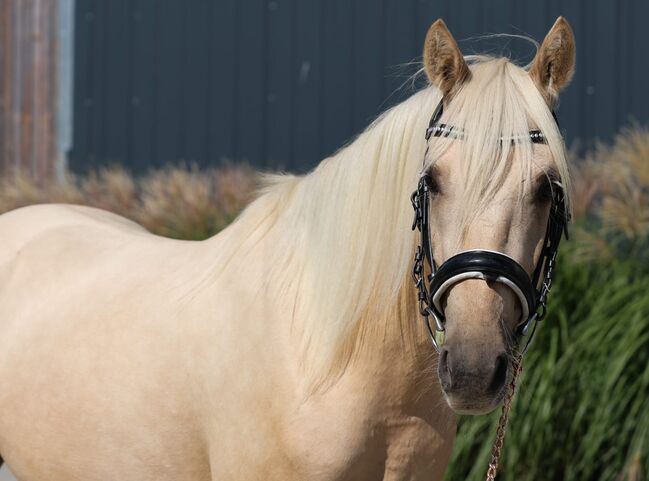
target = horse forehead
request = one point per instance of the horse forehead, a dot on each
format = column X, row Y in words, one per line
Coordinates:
column 450, row 167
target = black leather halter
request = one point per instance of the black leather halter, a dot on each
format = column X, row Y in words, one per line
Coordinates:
column 433, row 282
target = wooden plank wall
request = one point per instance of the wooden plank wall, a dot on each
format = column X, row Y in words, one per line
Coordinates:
column 28, row 86
column 284, row 83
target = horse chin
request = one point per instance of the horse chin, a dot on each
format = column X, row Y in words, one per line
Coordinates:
column 473, row 406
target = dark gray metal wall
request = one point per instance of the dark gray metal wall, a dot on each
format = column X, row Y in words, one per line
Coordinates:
column 283, row 83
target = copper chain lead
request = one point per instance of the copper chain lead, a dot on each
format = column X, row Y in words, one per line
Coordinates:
column 502, row 423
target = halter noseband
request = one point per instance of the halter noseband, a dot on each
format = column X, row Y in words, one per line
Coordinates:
column 433, row 282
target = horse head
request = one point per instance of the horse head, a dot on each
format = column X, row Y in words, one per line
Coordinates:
column 491, row 206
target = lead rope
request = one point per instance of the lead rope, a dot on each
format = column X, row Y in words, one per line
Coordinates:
column 502, row 423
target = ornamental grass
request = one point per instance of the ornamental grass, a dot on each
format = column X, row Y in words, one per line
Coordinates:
column 183, row 202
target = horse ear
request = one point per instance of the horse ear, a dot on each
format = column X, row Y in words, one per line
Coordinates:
column 443, row 61
column 554, row 64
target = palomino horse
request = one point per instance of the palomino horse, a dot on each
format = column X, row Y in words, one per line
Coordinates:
column 289, row 346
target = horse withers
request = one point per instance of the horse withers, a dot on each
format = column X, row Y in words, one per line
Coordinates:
column 289, row 346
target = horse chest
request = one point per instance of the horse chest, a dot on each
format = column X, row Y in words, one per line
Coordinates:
column 405, row 448
column 362, row 437
column 417, row 451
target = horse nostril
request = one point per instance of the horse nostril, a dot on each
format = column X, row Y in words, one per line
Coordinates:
column 443, row 370
column 500, row 373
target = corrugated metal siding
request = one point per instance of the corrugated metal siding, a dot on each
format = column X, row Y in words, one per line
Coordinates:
column 284, row 83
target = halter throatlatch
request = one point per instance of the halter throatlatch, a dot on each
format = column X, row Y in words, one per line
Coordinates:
column 432, row 282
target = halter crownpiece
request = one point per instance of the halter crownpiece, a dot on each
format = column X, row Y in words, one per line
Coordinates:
column 433, row 282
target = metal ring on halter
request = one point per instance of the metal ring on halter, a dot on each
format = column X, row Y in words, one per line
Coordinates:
column 433, row 333
column 437, row 297
column 534, row 318
column 439, row 323
column 487, row 265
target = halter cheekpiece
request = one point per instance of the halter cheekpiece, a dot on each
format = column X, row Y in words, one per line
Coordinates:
column 432, row 282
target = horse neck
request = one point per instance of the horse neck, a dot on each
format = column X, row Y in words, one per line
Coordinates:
column 334, row 248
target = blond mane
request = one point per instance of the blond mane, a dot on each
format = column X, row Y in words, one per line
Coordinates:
column 342, row 244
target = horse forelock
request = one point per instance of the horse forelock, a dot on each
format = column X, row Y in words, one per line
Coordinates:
column 500, row 102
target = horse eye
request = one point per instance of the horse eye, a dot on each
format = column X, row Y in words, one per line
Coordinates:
column 433, row 183
column 545, row 191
